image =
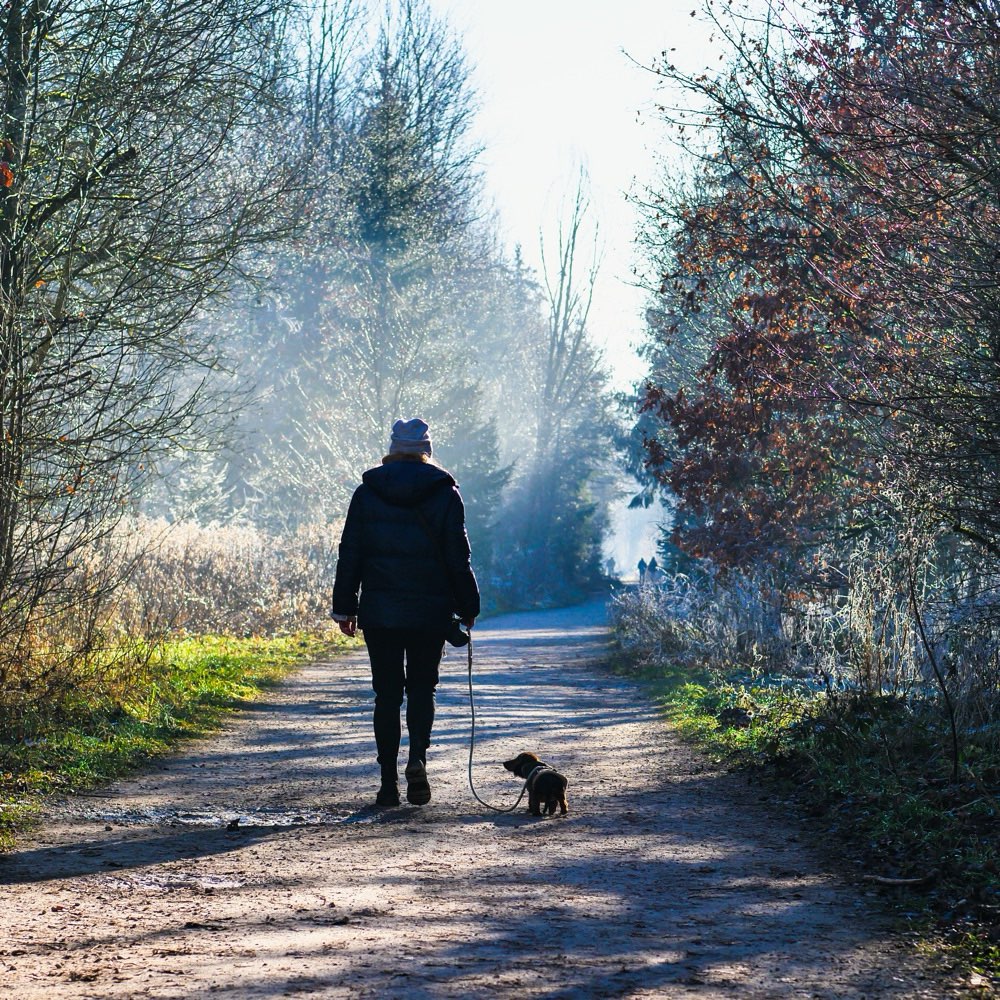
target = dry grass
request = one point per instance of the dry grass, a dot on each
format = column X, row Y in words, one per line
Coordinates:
column 232, row 579
column 90, row 649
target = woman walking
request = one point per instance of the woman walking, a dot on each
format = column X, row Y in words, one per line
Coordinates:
column 404, row 546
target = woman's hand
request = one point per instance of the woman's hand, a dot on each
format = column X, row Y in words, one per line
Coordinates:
column 349, row 626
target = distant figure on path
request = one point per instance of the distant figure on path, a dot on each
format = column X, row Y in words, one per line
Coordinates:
column 405, row 547
column 642, row 571
column 653, row 574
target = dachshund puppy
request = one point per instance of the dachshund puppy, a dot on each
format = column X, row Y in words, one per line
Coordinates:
column 545, row 784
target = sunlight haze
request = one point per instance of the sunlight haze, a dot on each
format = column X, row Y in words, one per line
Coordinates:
column 562, row 85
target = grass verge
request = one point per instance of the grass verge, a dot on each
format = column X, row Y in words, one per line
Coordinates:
column 186, row 688
column 874, row 776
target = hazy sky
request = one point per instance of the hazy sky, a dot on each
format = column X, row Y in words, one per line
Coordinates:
column 558, row 90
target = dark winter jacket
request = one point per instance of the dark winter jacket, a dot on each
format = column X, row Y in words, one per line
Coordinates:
column 407, row 580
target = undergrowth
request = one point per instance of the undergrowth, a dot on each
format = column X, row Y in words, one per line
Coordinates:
column 188, row 686
column 874, row 776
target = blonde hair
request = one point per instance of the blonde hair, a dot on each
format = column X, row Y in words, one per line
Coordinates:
column 422, row 457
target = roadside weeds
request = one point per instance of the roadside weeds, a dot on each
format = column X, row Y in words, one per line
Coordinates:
column 870, row 777
column 189, row 687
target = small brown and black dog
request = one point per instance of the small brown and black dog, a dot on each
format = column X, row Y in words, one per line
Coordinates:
column 545, row 784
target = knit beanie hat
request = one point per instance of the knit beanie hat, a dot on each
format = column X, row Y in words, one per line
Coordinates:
column 410, row 437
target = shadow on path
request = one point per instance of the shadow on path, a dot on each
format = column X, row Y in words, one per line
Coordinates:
column 667, row 878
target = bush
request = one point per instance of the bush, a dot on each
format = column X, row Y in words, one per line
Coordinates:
column 701, row 624
column 144, row 583
column 887, row 629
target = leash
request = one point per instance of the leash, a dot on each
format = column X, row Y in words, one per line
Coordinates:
column 472, row 746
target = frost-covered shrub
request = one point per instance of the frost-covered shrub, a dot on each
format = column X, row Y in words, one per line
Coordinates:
column 899, row 627
column 859, row 635
column 701, row 623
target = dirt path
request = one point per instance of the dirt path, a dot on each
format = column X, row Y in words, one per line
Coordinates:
column 667, row 879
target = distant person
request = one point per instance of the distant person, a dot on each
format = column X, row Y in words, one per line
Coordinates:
column 642, row 571
column 405, row 547
column 653, row 574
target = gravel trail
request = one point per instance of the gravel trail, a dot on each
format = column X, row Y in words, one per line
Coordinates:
column 666, row 879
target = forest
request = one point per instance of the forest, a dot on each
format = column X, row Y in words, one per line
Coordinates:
column 238, row 241
column 821, row 419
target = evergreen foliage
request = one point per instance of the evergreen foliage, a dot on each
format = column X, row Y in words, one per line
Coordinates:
column 394, row 299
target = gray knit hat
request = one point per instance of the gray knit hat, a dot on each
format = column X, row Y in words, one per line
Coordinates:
column 410, row 437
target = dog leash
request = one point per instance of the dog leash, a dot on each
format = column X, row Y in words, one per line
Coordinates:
column 472, row 746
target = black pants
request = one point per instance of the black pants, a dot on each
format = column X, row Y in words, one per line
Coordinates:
column 403, row 660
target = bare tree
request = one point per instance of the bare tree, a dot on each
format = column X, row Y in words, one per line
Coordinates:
column 333, row 38
column 570, row 367
column 136, row 180
column 556, row 517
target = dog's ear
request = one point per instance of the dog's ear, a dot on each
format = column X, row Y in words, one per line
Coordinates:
column 522, row 764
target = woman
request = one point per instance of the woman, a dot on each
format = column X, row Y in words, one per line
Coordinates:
column 404, row 546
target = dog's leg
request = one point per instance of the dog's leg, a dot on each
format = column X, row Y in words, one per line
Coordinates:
column 534, row 804
column 563, row 807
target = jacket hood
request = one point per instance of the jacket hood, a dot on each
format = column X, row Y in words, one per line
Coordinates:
column 406, row 484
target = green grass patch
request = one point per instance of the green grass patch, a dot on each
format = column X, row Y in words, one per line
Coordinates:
column 874, row 775
column 183, row 687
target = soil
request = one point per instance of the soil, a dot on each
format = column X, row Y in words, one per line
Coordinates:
column 253, row 864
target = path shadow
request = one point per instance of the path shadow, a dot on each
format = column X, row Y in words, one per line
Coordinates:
column 671, row 883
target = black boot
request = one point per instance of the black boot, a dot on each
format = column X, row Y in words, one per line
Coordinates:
column 418, row 789
column 388, row 794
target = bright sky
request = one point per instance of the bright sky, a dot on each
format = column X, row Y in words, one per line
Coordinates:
column 558, row 90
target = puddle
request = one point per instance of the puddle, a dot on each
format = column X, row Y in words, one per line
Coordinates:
column 247, row 819
column 236, row 818
column 176, row 881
